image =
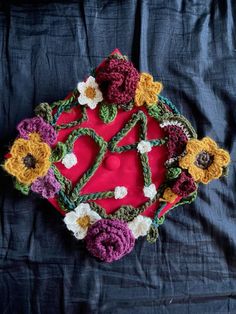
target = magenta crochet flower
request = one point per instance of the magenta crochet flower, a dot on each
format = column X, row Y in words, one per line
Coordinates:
column 109, row 240
column 38, row 125
column 46, row 186
column 117, row 79
column 184, row 185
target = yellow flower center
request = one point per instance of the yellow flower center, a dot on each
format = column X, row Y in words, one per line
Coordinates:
column 90, row 92
column 84, row 221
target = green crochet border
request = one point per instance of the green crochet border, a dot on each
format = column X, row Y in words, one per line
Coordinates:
column 69, row 198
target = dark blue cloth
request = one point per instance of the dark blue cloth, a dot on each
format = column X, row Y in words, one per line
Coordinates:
column 45, row 49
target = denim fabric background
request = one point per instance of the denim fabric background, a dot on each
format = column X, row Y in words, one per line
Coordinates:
column 45, row 49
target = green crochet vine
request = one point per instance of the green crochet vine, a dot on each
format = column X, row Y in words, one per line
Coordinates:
column 69, row 198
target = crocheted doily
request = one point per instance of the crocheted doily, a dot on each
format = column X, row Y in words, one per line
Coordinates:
column 114, row 158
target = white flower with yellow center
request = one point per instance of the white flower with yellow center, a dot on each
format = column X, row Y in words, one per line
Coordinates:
column 79, row 220
column 140, row 226
column 90, row 93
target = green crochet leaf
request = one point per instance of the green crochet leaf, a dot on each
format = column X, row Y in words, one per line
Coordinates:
column 107, row 112
column 173, row 173
column 24, row 189
column 187, row 200
column 225, row 172
column 159, row 112
column 45, row 111
column 153, row 234
column 59, row 152
column 128, row 106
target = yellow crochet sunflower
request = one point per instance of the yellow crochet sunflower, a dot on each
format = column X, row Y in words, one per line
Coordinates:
column 204, row 160
column 29, row 159
column 147, row 90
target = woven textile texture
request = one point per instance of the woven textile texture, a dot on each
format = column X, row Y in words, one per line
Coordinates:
column 46, row 48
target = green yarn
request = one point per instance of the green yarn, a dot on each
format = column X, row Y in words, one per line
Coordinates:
column 160, row 220
column 64, row 202
column 187, row 200
column 136, row 117
column 127, row 212
column 127, row 107
column 107, row 112
column 23, row 188
column 173, row 173
column 156, row 220
column 147, row 174
column 99, row 210
column 44, row 110
column 68, row 198
column 225, row 171
column 117, row 56
column 167, row 102
column 155, row 142
column 159, row 111
column 61, row 203
column 185, row 123
column 74, row 123
column 59, row 152
column 65, row 106
column 95, row 196
column 89, row 173
column 65, row 183
column 152, row 234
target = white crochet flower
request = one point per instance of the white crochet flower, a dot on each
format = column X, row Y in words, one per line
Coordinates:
column 150, row 191
column 140, row 226
column 69, row 160
column 90, row 93
column 120, row 192
column 79, row 220
column 144, row 147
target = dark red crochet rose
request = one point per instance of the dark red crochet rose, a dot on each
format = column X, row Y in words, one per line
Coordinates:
column 177, row 140
column 117, row 79
column 184, row 185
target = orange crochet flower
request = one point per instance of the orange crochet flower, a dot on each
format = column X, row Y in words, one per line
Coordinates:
column 204, row 160
column 29, row 159
column 168, row 196
column 147, row 90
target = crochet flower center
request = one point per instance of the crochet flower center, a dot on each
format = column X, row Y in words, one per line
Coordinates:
column 84, row 221
column 29, row 161
column 204, row 160
column 90, row 92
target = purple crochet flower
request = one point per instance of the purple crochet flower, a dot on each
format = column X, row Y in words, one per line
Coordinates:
column 117, row 79
column 109, row 240
column 46, row 186
column 184, row 185
column 38, row 125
